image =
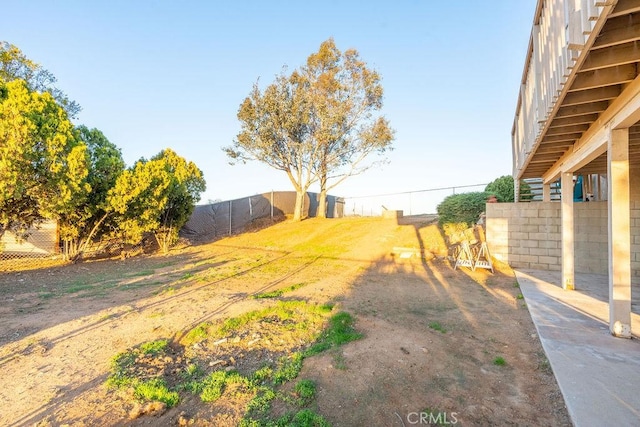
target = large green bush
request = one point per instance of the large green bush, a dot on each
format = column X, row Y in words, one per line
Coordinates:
column 464, row 207
column 503, row 189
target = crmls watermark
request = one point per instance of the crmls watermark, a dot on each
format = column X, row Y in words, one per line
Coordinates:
column 430, row 418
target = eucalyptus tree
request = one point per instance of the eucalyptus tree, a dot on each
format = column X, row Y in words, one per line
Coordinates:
column 344, row 95
column 275, row 130
column 316, row 124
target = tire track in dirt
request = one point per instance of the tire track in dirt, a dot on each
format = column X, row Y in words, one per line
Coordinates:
column 82, row 342
column 118, row 315
column 238, row 298
column 52, row 376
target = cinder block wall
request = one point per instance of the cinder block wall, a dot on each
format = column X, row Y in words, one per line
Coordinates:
column 525, row 235
column 528, row 235
column 591, row 236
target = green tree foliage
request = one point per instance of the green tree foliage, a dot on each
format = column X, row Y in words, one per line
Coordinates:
column 462, row 208
column 316, row 123
column 43, row 166
column 14, row 65
column 155, row 196
column 275, row 131
column 343, row 95
column 51, row 170
column 105, row 165
column 503, row 189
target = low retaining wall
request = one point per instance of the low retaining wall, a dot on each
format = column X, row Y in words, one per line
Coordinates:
column 528, row 235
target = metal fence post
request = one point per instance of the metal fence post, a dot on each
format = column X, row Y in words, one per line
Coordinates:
column 230, row 203
column 410, row 197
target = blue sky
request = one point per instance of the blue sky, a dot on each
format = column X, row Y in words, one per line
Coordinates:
column 157, row 74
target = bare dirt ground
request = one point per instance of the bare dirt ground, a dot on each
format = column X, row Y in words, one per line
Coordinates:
column 434, row 338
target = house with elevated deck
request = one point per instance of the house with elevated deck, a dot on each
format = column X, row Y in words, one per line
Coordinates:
column 577, row 122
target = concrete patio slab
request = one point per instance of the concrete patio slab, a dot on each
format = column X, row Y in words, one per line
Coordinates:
column 598, row 374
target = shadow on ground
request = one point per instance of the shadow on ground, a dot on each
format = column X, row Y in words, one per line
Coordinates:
column 442, row 341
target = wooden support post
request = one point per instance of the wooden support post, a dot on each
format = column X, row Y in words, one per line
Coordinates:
column 568, row 252
column 619, row 233
column 546, row 192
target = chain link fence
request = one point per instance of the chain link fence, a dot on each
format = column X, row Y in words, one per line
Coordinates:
column 38, row 246
column 416, row 202
column 41, row 246
column 39, row 241
column 235, row 216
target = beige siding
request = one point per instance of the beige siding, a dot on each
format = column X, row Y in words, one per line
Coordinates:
column 41, row 241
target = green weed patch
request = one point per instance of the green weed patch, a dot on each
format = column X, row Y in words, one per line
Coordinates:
column 217, row 363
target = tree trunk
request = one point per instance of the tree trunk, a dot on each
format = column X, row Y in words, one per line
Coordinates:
column 321, row 211
column 82, row 247
column 322, row 204
column 297, row 212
